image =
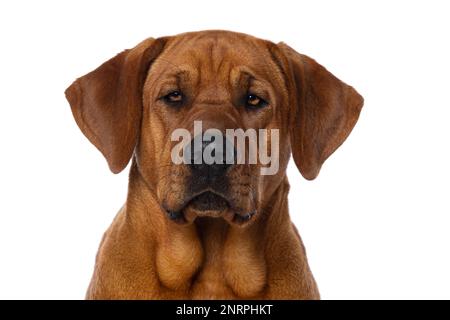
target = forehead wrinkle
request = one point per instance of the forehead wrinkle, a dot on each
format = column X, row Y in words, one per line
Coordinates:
column 218, row 56
column 210, row 53
column 213, row 57
column 243, row 75
column 183, row 72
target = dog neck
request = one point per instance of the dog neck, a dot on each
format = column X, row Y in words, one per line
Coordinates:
column 208, row 252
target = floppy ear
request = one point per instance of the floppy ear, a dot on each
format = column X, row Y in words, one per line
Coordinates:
column 325, row 112
column 107, row 102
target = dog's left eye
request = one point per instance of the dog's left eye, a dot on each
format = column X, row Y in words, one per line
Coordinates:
column 174, row 98
column 255, row 102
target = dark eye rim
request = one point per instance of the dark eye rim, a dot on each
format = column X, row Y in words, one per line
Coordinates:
column 167, row 98
column 262, row 102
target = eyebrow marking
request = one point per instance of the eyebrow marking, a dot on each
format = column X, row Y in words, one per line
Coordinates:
column 240, row 76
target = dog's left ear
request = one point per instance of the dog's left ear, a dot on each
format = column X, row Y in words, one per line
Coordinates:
column 325, row 112
column 107, row 102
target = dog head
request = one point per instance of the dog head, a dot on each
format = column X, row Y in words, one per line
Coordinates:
column 182, row 95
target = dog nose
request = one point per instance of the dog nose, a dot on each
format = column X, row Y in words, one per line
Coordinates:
column 211, row 156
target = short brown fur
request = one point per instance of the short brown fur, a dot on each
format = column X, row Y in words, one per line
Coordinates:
column 144, row 255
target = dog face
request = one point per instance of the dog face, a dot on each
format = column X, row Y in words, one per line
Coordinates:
column 133, row 104
column 226, row 81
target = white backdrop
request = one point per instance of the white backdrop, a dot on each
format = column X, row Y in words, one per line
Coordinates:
column 375, row 222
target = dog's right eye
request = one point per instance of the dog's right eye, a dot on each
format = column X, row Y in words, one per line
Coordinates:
column 173, row 98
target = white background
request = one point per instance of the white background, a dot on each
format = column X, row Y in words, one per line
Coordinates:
column 375, row 222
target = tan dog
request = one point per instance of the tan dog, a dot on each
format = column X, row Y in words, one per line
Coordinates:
column 220, row 232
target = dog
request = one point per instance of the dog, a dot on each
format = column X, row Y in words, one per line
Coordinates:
column 208, row 231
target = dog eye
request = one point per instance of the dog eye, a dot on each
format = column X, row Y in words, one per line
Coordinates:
column 174, row 98
column 255, row 102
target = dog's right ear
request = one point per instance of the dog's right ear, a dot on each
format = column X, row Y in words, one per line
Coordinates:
column 107, row 102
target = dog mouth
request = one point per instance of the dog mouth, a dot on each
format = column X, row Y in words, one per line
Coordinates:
column 208, row 204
